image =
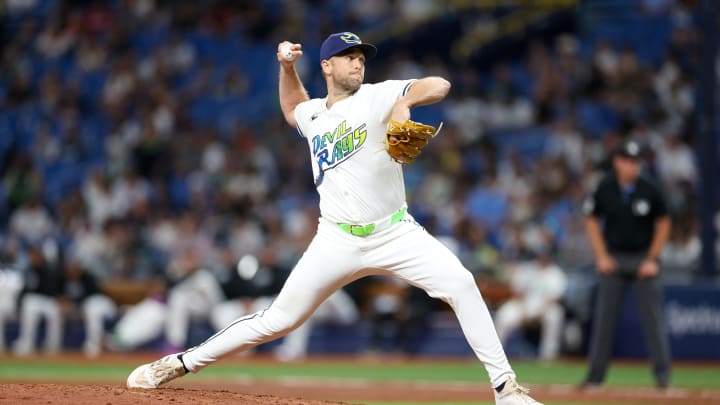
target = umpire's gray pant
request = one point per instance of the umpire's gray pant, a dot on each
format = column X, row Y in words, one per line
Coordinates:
column 611, row 292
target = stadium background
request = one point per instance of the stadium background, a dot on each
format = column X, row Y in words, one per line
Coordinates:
column 121, row 120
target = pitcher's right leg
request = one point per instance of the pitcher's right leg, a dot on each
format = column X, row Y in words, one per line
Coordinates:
column 327, row 265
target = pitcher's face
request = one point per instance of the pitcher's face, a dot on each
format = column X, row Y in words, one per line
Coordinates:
column 347, row 69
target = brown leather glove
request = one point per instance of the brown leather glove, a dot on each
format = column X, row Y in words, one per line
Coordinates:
column 404, row 141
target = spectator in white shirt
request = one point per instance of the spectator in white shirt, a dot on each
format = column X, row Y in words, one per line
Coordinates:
column 538, row 286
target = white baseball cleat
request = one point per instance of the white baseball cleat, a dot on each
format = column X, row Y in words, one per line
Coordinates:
column 152, row 375
column 514, row 394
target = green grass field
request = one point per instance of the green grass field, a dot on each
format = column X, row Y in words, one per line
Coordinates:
column 621, row 374
column 690, row 376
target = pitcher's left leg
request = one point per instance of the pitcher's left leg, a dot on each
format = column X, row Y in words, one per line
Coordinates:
column 423, row 261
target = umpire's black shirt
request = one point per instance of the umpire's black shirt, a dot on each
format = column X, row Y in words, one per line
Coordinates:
column 629, row 215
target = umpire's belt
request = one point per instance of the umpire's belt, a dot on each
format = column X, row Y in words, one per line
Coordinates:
column 365, row 230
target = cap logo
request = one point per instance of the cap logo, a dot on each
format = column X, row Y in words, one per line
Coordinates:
column 350, row 38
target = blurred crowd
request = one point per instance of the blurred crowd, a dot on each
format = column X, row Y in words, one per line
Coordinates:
column 109, row 164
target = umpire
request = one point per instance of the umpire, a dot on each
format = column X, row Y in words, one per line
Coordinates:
column 627, row 225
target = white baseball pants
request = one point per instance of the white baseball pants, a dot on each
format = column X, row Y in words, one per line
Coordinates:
column 96, row 309
column 335, row 258
column 34, row 307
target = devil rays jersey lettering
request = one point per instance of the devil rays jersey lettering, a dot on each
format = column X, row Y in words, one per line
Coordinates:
column 333, row 147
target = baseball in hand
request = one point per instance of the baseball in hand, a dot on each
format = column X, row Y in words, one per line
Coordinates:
column 286, row 52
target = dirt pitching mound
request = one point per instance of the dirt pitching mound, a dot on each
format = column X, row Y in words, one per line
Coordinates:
column 84, row 394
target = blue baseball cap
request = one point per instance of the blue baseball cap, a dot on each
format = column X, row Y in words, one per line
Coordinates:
column 340, row 41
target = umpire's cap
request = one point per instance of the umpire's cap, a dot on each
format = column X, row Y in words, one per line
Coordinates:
column 340, row 41
column 629, row 149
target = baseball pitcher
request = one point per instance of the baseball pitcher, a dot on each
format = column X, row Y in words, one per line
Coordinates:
column 359, row 136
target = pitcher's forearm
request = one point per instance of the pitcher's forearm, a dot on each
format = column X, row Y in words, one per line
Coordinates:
column 291, row 92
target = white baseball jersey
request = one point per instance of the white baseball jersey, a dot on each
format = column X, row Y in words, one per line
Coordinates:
column 348, row 155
